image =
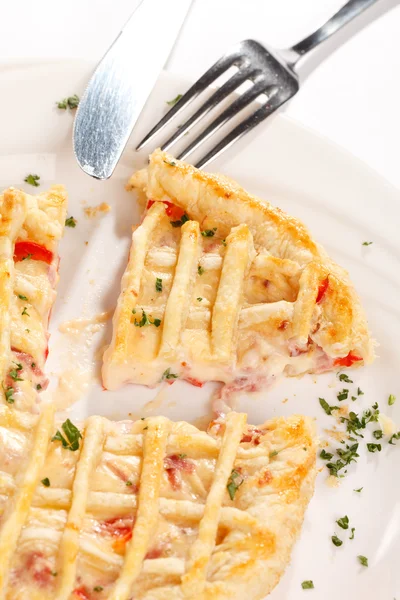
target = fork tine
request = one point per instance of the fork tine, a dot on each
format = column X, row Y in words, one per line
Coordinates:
column 201, row 84
column 235, row 107
column 220, row 94
column 247, row 125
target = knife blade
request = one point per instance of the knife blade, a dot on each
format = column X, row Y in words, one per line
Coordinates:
column 122, row 82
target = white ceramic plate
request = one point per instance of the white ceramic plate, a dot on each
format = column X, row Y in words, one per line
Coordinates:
column 343, row 203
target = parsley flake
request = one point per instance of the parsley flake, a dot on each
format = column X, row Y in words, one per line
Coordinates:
column 395, row 436
column 72, row 436
column 98, row 588
column 182, row 456
column 343, row 395
column 46, row 482
column 181, row 221
column 8, row 393
column 168, row 375
column 71, row 102
column 352, row 533
column 378, row 433
column 70, row 222
column 367, row 243
column 336, row 541
column 360, row 392
column 14, row 373
column 391, row 400
column 363, row 560
column 344, row 377
column 174, row 101
column 343, row 522
column 359, row 490
column 200, row 270
column 22, row 297
column 28, row 256
column 199, row 299
column 209, row 232
column 38, row 387
column 234, row 482
column 32, row 180
column 171, row 163
column 325, row 455
column 158, row 284
column 374, row 447
column 273, row 453
column 25, row 312
column 223, row 242
column 128, row 483
column 145, row 320
column 308, row 585
column 328, row 409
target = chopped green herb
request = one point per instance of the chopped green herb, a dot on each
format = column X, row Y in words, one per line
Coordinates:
column 359, row 490
column 343, row 395
column 8, row 393
column 378, row 433
column 14, row 373
column 336, row 541
column 354, row 398
column 46, row 482
column 145, row 320
column 98, row 588
column 346, row 457
column 128, row 483
column 234, row 482
column 352, row 533
column 28, row 256
column 171, row 163
column 360, row 392
column 72, row 436
column 158, row 284
column 181, row 221
column 273, row 453
column 71, row 102
column 22, row 297
column 25, row 312
column 70, row 222
column 395, row 436
column 32, row 180
column 174, row 100
column 325, row 455
column 33, row 365
column 223, row 242
column 200, row 270
column 307, row 585
column 363, row 560
column 182, row 455
column 328, row 409
column 344, row 377
column 199, row 299
column 391, row 400
column 38, row 387
column 168, row 375
column 367, row 243
column 374, row 447
column 343, row 522
column 27, row 330
column 209, row 232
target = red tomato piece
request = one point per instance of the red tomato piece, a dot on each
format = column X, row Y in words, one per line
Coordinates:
column 195, row 382
column 81, row 593
column 33, row 251
column 173, row 211
column 347, row 361
column 323, row 286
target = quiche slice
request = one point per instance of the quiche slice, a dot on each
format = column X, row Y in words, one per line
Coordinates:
column 155, row 510
column 223, row 286
column 30, row 229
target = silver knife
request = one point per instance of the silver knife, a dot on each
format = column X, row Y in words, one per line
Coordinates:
column 122, row 82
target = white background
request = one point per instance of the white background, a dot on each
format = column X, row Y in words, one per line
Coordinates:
column 352, row 96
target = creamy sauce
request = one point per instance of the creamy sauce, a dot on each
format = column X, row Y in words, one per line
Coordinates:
column 156, row 403
column 72, row 385
column 78, row 325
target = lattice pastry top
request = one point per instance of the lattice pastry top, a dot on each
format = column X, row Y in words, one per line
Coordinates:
column 223, row 286
column 151, row 509
column 30, row 228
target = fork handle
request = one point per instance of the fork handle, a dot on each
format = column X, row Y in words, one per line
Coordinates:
column 348, row 12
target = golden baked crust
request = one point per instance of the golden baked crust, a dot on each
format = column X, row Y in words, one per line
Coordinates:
column 253, row 298
column 154, row 510
column 30, row 228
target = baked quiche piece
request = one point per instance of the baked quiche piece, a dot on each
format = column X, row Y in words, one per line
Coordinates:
column 30, row 229
column 156, row 510
column 223, row 286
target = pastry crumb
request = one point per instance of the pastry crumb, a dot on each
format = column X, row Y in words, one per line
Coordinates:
column 92, row 211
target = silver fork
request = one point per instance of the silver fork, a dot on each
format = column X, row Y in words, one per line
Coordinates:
column 271, row 73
